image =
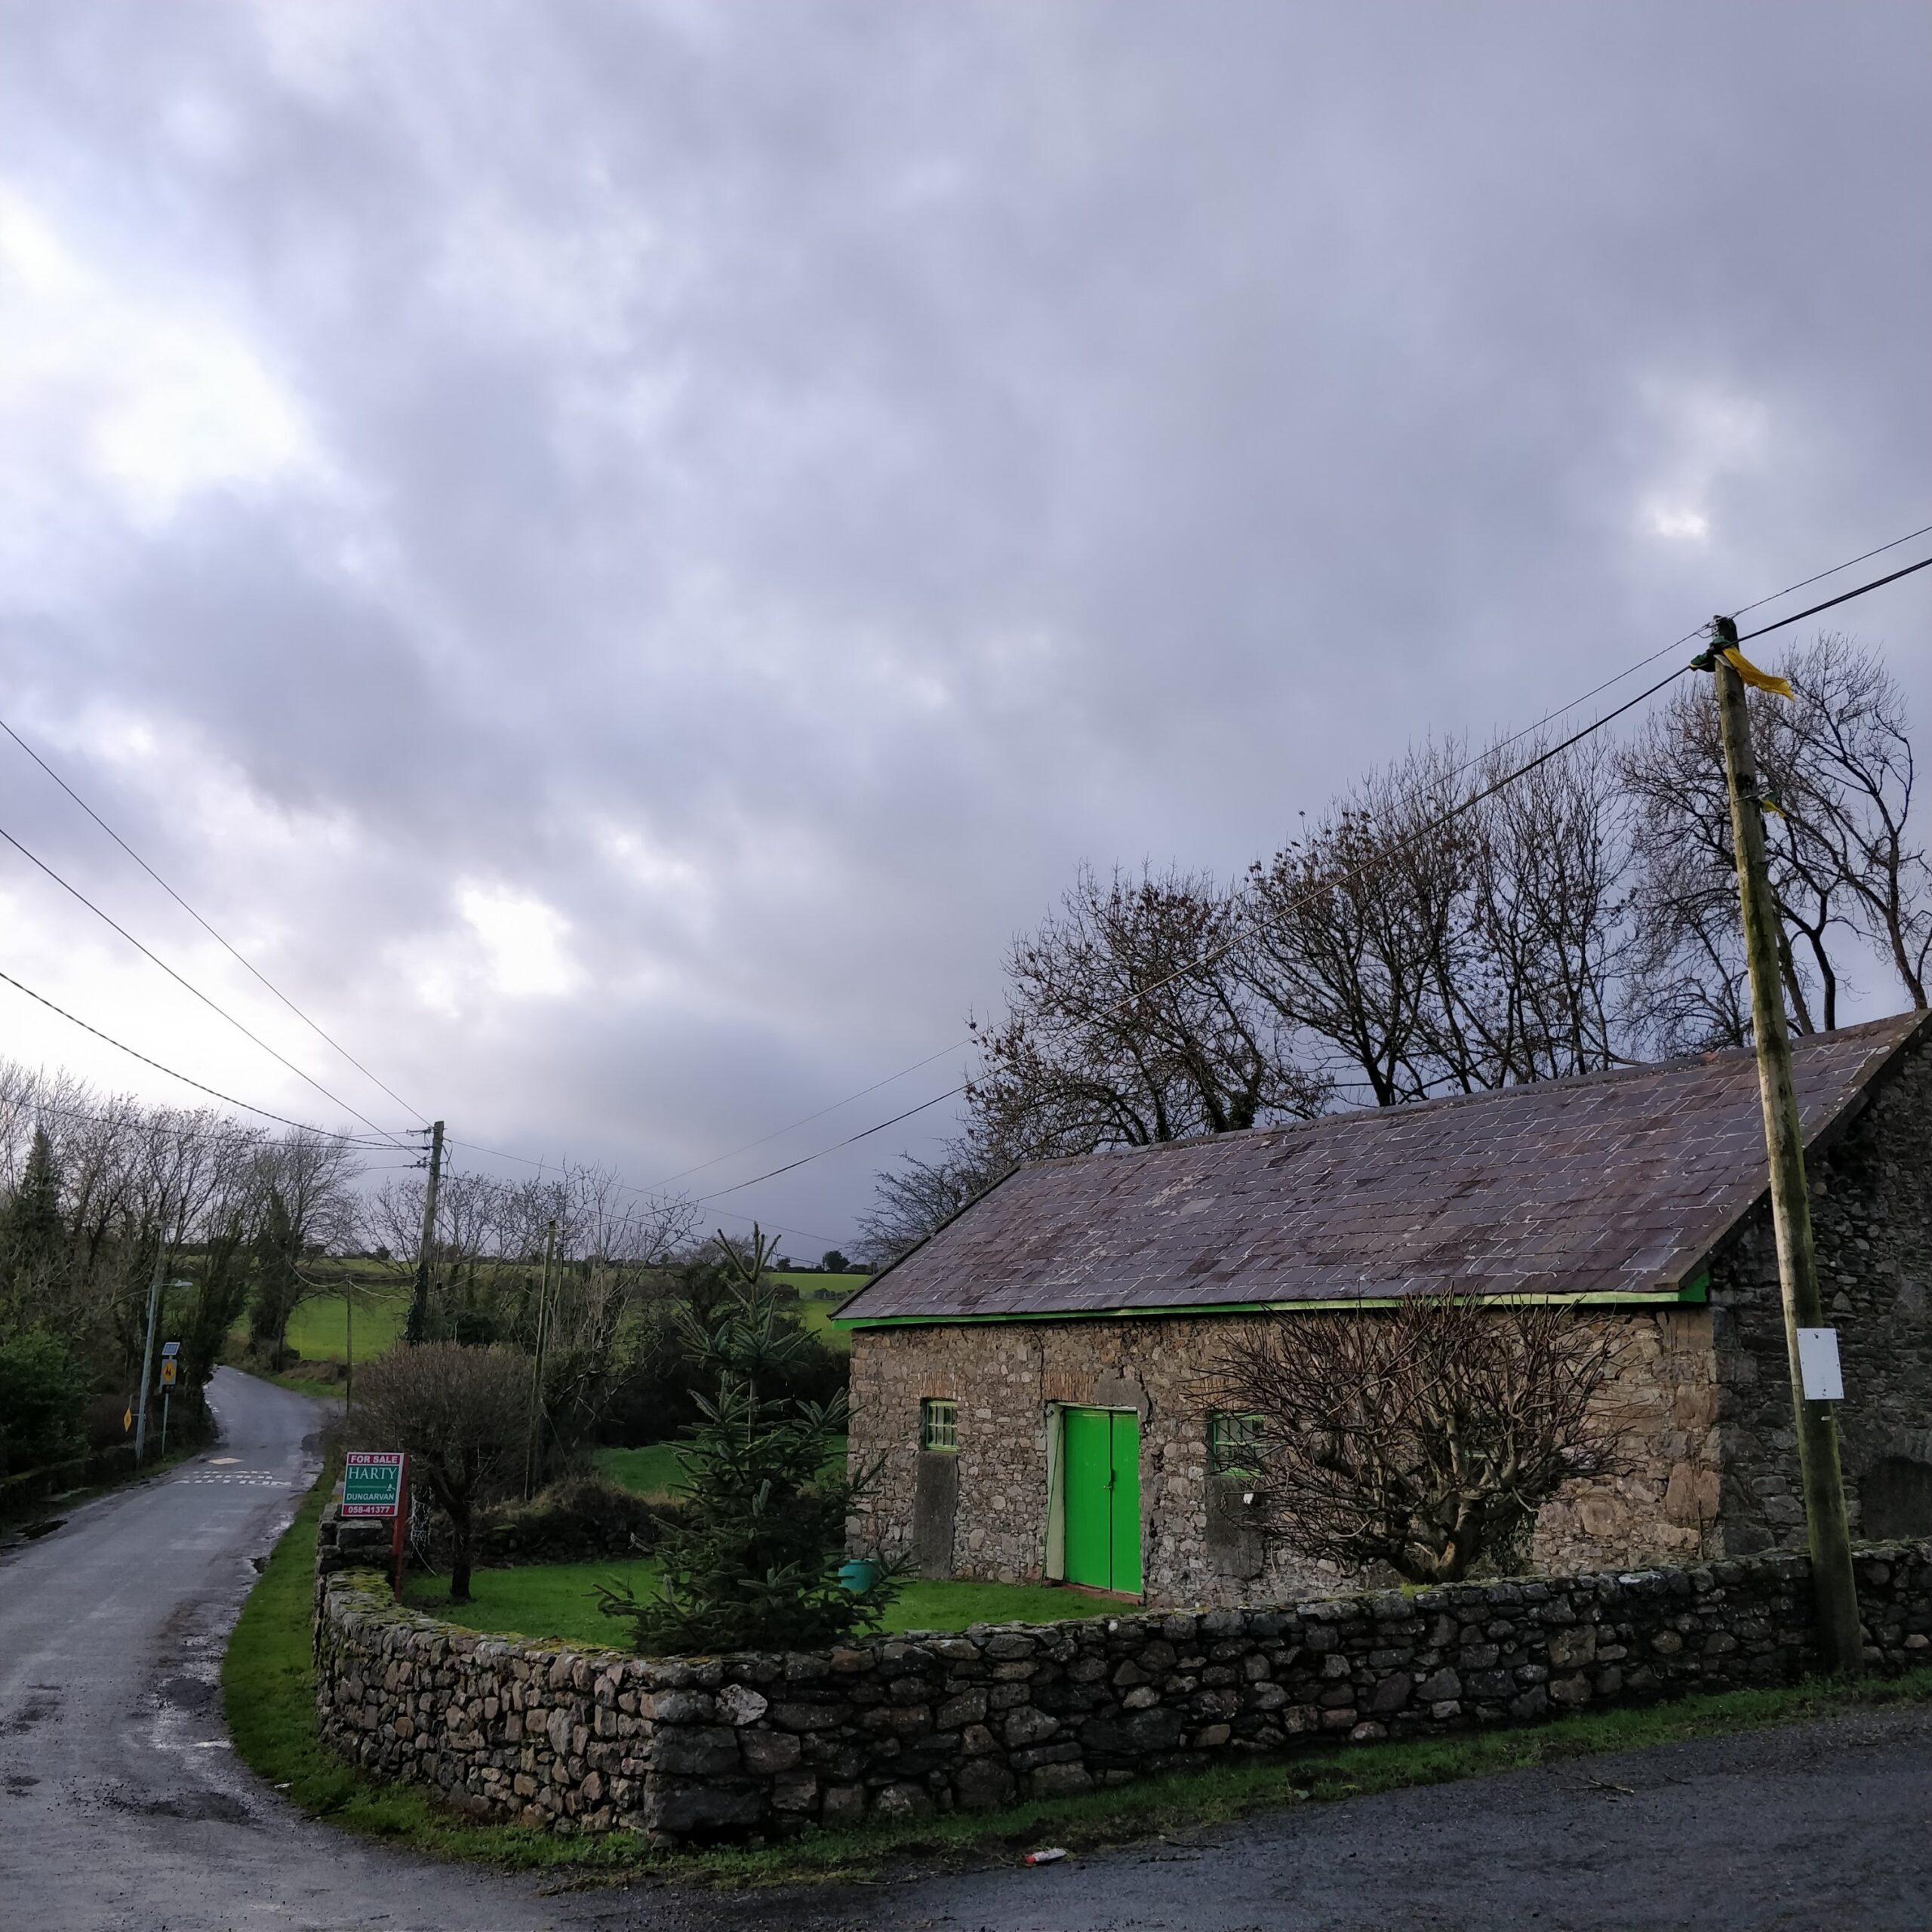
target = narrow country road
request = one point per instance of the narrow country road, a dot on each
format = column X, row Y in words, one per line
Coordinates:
column 122, row 1808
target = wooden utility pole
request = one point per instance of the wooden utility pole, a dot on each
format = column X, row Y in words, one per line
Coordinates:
column 147, row 1355
column 537, row 1361
column 419, row 1303
column 1841, row 1644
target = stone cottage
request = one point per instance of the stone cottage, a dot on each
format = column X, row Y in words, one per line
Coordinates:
column 1028, row 1381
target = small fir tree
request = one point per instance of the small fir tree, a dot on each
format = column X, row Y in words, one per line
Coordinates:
column 32, row 1239
column 751, row 1561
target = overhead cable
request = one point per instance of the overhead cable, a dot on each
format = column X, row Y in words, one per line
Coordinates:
column 200, row 1086
column 213, row 1005
column 1488, row 751
column 1214, row 953
column 1798, row 616
column 313, row 1025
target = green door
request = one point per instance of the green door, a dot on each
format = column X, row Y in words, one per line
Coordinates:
column 1100, row 1472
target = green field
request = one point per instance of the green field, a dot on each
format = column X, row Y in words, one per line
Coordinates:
column 650, row 1471
column 559, row 1600
column 653, row 1471
column 319, row 1330
column 819, row 1298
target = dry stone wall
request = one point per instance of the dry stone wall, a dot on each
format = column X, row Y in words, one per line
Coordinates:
column 690, row 1748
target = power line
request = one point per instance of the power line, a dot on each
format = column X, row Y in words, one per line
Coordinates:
column 1820, row 576
column 213, row 1005
column 1798, row 616
column 200, row 1086
column 1433, row 826
column 637, row 1220
column 777, row 1132
column 217, row 937
column 1488, row 751
column 865, row 1134
column 1214, row 953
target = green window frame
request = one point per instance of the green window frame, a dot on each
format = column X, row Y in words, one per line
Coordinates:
column 1233, row 1440
column 939, row 1424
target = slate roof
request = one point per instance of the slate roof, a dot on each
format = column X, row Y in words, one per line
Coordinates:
column 1620, row 1183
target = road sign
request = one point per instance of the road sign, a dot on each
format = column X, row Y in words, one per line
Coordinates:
column 371, row 1483
column 168, row 1371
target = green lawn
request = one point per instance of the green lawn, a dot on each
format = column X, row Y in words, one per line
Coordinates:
column 558, row 1600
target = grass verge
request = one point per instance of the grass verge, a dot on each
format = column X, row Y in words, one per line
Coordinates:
column 268, row 1689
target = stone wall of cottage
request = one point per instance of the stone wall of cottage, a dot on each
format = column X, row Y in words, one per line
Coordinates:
column 571, row 1741
column 1872, row 1219
column 1199, row 1544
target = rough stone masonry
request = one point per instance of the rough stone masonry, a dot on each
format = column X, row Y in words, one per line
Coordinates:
column 696, row 1748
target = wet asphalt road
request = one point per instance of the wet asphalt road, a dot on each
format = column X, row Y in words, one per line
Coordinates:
column 122, row 1808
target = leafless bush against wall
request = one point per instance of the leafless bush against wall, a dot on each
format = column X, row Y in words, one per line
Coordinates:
column 1426, row 1436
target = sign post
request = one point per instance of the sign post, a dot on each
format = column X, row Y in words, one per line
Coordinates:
column 375, row 1486
column 170, row 1359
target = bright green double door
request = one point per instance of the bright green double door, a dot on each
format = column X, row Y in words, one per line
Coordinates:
column 1100, row 1469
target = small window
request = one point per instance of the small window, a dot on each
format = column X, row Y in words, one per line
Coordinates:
column 939, row 1424
column 1233, row 1443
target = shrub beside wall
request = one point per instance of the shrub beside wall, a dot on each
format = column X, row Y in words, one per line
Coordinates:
column 693, row 1748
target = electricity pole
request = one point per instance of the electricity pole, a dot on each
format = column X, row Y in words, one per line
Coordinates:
column 536, row 1363
column 1841, row 1643
column 419, row 1304
column 147, row 1354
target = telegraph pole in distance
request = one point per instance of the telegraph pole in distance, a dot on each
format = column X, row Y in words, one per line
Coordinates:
column 1841, row 1642
column 147, row 1352
column 419, row 1303
column 537, row 1362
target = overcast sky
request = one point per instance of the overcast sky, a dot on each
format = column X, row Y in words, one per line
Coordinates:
column 622, row 551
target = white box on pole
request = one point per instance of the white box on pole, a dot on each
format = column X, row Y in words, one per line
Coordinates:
column 1818, row 1364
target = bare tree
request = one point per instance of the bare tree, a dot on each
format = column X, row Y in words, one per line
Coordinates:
column 1838, row 766
column 1844, row 762
column 1352, row 923
column 919, row 1196
column 462, row 1414
column 1426, row 1437
column 1127, row 1023
column 1437, row 930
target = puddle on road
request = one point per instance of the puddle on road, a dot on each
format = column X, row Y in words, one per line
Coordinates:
column 191, row 1808
column 38, row 1708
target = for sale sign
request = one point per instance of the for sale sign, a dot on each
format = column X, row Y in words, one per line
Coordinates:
column 371, row 1483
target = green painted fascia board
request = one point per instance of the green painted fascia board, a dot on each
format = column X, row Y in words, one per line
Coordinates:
column 1694, row 1293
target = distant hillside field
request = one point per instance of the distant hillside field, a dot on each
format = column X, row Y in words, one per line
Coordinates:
column 319, row 1330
